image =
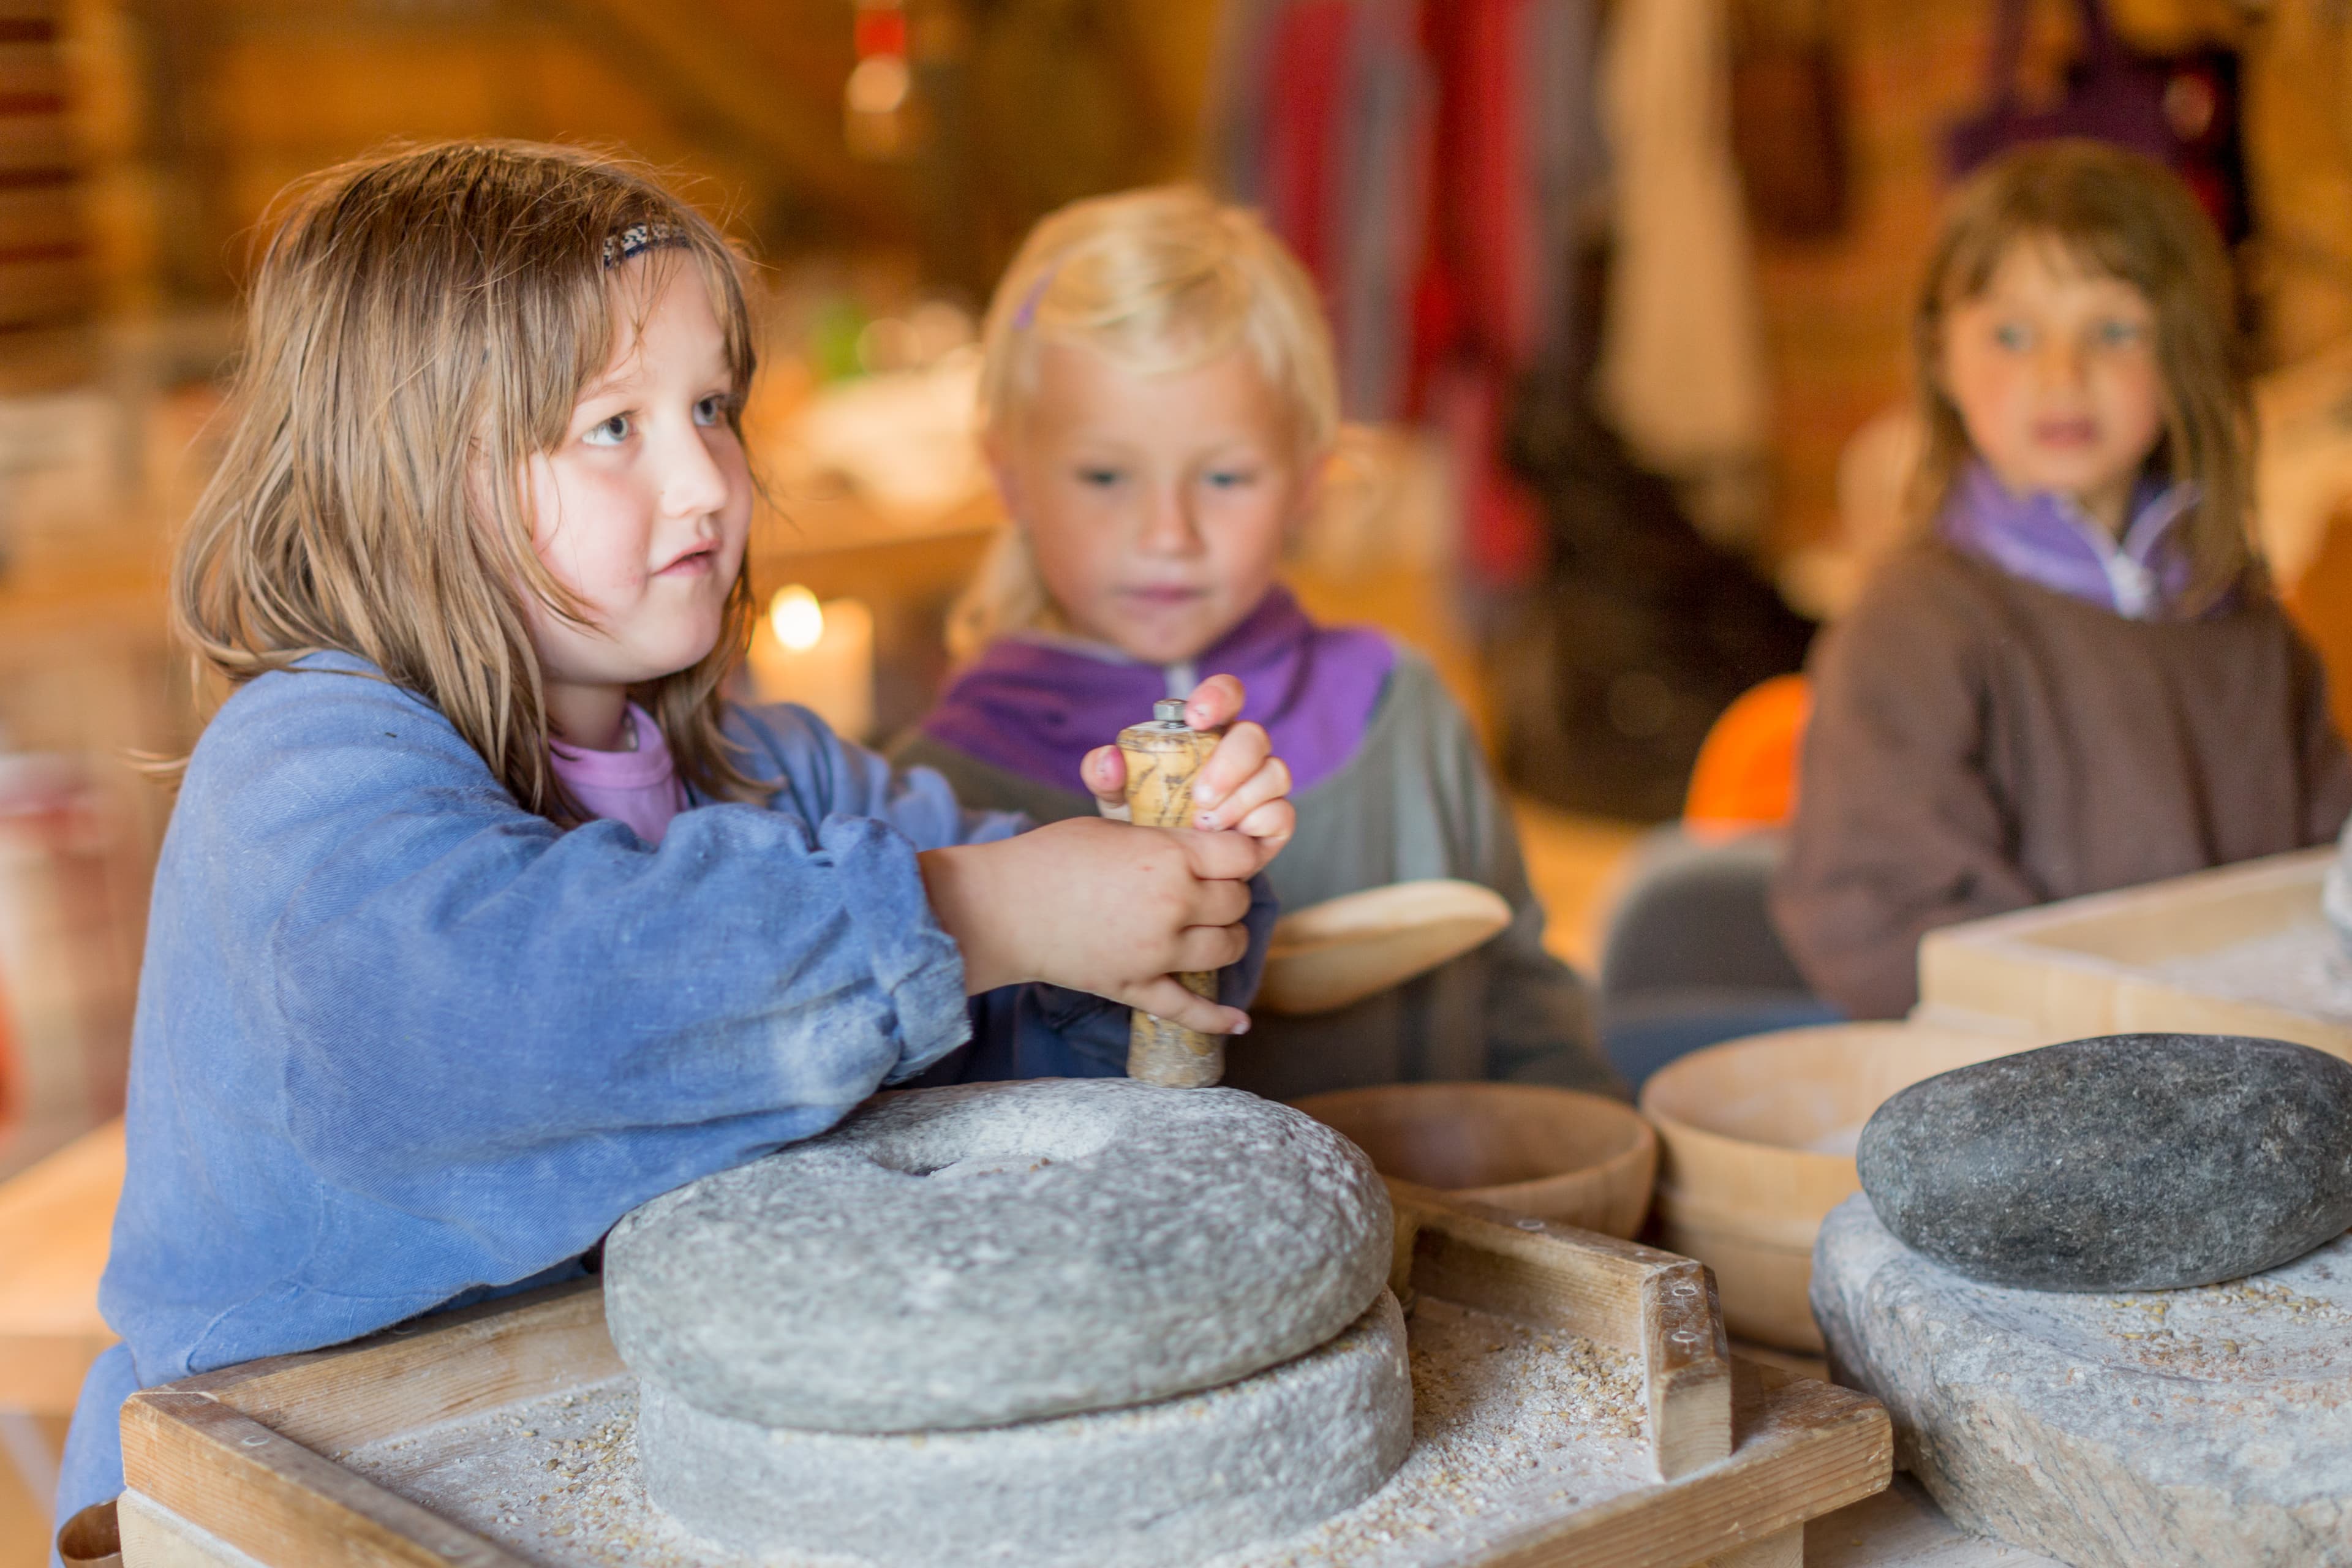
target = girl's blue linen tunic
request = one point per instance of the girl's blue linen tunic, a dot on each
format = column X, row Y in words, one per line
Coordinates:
column 402, row 1045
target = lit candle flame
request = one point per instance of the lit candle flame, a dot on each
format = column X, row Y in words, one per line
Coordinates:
column 796, row 616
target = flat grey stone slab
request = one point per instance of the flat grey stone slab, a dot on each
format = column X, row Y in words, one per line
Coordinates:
column 968, row 1257
column 1168, row 1483
column 2129, row 1162
column 2127, row 1430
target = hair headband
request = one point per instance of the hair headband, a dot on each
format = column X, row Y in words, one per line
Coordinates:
column 1026, row 316
column 640, row 237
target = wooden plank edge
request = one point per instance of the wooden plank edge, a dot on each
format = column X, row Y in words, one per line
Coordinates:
column 253, row 1385
column 2146, row 1005
column 1841, row 1452
column 1686, row 1370
column 2241, row 878
column 276, row 1501
column 1521, row 1267
column 155, row 1537
column 1662, row 1308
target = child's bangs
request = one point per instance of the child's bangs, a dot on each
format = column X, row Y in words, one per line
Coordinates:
column 1174, row 332
column 2087, row 249
column 2096, row 210
column 1171, row 330
column 597, row 313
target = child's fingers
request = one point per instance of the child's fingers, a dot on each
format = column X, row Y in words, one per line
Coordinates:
column 1200, row 948
column 1241, row 755
column 1214, row 703
column 1165, row 997
column 1270, row 826
column 1270, row 783
column 1105, row 774
column 1214, row 906
column 1221, row 856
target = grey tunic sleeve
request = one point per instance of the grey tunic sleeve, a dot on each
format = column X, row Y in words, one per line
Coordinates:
column 984, row 786
column 1535, row 1011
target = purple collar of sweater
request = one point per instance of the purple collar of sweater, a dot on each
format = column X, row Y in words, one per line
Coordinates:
column 1035, row 704
column 2048, row 540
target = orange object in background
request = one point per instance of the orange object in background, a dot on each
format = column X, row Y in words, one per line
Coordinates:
column 1746, row 776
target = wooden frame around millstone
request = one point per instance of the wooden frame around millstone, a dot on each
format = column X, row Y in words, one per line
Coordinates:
column 231, row 1467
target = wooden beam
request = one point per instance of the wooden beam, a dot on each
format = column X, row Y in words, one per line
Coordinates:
column 716, row 79
column 1662, row 1308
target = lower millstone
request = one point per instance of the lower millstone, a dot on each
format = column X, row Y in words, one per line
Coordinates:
column 1147, row 1487
column 2127, row 1430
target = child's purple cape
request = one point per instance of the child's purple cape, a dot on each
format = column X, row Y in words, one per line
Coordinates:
column 1036, row 704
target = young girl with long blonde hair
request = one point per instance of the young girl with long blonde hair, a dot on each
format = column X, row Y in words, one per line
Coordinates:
column 483, row 916
column 1158, row 403
column 2077, row 677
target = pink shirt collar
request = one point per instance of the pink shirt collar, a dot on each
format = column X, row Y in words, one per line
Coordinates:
column 639, row 788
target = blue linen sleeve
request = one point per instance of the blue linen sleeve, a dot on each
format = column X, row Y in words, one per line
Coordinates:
column 822, row 775
column 458, row 987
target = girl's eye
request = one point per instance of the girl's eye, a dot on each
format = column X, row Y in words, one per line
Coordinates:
column 2117, row 334
column 1098, row 478
column 1232, row 479
column 711, row 410
column 608, row 433
column 2014, row 336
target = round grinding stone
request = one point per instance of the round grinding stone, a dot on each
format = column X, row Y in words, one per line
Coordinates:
column 2123, row 1162
column 1168, row 1483
column 967, row 1257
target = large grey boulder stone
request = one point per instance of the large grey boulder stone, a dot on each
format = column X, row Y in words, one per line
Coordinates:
column 2131, row 1430
column 1169, row 1483
column 2130, row 1161
column 967, row 1257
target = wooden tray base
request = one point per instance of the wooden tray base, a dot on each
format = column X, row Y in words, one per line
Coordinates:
column 386, row 1451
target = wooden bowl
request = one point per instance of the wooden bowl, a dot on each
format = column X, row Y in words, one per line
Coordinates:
column 1581, row 1159
column 1346, row 949
column 1760, row 1135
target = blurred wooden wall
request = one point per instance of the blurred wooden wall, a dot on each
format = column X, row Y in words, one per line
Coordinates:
column 196, row 112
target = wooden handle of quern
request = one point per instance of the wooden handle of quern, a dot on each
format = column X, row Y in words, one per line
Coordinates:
column 1163, row 758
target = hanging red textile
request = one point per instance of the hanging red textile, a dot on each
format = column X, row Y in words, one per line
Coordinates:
column 1309, row 62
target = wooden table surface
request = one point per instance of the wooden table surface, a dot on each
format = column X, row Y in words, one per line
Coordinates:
column 56, row 1219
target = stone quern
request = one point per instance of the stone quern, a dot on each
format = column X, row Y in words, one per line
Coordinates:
column 2137, row 1429
column 1150, row 1485
column 969, row 1257
column 2129, row 1162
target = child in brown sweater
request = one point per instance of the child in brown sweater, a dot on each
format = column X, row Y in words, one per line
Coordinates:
column 2077, row 677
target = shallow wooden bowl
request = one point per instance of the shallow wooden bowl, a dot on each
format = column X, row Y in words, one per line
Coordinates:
column 1554, row 1153
column 1346, row 949
column 1759, row 1147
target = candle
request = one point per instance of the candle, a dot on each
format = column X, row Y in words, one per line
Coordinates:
column 820, row 655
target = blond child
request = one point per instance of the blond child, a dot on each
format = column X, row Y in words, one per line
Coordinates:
column 2077, row 677
column 483, row 916
column 1159, row 404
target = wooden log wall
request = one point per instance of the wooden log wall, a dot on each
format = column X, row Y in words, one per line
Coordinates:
column 43, row 276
